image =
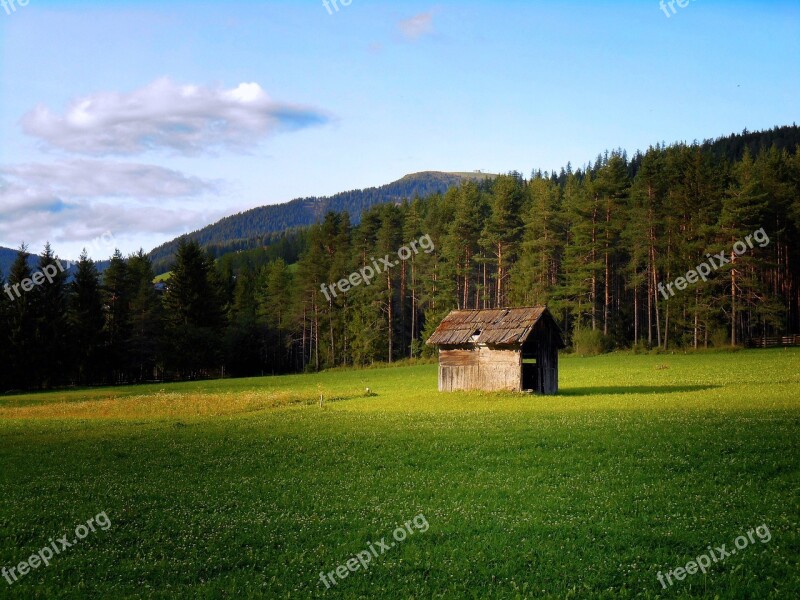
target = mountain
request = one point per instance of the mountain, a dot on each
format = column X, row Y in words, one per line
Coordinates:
column 7, row 258
column 9, row 255
column 266, row 220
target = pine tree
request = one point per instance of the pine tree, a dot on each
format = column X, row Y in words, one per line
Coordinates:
column 146, row 319
column 116, row 300
column 312, row 274
column 535, row 275
column 501, row 232
column 611, row 192
column 22, row 322
column 244, row 335
column 583, row 252
column 194, row 306
column 50, row 297
column 274, row 298
column 388, row 241
column 412, row 230
column 6, row 298
column 86, row 320
column 460, row 241
column 743, row 211
column 437, row 289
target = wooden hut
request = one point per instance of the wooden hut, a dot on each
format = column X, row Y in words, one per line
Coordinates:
column 512, row 349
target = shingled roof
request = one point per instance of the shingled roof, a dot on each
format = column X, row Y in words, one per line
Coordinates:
column 502, row 327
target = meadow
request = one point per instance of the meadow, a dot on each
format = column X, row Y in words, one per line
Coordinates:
column 250, row 489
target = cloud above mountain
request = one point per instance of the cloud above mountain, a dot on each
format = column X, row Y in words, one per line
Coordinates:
column 76, row 200
column 186, row 120
column 102, row 179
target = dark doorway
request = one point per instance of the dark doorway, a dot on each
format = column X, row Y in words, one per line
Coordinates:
column 530, row 375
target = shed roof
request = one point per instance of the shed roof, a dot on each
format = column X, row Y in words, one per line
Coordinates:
column 502, row 326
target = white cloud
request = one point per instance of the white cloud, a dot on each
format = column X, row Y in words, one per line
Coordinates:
column 185, row 119
column 101, row 179
column 72, row 202
column 417, row 26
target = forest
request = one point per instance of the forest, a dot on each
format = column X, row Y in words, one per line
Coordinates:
column 595, row 244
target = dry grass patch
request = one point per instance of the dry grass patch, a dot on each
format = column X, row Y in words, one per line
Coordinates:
column 159, row 405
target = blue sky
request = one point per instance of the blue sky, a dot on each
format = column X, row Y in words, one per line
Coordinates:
column 149, row 119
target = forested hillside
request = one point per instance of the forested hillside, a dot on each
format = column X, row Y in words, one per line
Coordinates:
column 610, row 248
column 255, row 227
column 7, row 256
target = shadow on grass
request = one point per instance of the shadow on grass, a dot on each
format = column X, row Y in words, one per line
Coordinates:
column 637, row 389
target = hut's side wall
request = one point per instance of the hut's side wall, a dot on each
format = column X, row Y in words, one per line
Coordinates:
column 546, row 340
column 480, row 368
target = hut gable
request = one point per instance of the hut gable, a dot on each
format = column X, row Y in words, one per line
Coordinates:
column 499, row 349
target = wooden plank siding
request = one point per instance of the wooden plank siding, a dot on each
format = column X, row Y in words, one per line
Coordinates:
column 480, row 368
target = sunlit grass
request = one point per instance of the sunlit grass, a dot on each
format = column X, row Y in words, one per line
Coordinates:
column 159, row 405
column 248, row 488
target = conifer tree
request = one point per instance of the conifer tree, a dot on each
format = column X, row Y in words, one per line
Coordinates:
column 50, row 298
column 86, row 321
column 460, row 242
column 5, row 342
column 502, row 229
column 194, row 304
column 116, row 300
column 412, row 230
column 583, row 252
column 22, row 322
column 743, row 211
column 274, row 299
column 535, row 275
column 146, row 320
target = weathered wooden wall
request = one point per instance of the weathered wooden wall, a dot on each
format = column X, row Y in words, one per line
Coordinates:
column 545, row 340
column 480, row 368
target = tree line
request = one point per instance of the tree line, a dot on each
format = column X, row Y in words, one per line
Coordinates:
column 595, row 244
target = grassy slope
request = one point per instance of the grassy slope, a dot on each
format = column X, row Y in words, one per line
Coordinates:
column 634, row 468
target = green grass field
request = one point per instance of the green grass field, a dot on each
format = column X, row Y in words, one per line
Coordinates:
column 247, row 488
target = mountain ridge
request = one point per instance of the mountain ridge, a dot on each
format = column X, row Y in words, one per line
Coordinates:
column 270, row 220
